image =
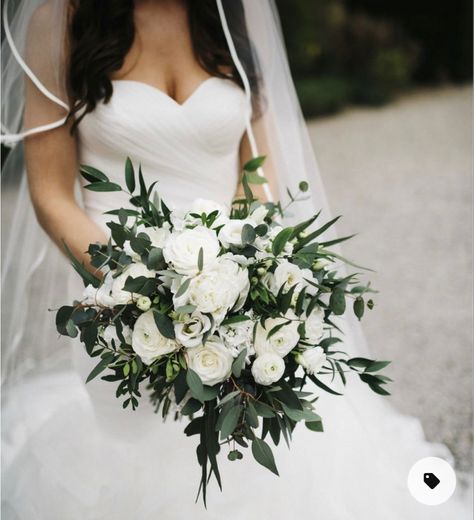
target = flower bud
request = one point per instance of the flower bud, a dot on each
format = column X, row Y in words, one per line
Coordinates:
column 144, row 303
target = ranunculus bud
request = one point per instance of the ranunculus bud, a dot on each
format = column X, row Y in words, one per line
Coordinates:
column 144, row 303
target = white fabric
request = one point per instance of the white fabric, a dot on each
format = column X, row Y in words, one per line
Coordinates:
column 72, row 452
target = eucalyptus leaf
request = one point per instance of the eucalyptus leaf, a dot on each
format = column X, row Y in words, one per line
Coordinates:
column 263, row 455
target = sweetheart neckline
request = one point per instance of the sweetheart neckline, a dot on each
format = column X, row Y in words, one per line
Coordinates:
column 167, row 96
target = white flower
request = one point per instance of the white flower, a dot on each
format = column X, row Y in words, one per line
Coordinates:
column 231, row 232
column 282, row 341
column 157, row 236
column 314, row 325
column 217, row 290
column 134, row 270
column 143, row 303
column 312, row 359
column 206, row 206
column 110, row 334
column 101, row 295
column 290, row 275
column 258, row 215
column 268, row 368
column 191, row 330
column 182, row 249
column 264, row 244
column 238, row 336
column 211, row 361
column 147, row 340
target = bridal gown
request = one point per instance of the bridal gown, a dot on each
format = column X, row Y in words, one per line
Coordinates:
column 85, row 458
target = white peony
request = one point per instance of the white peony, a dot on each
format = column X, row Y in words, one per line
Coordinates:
column 110, row 335
column 290, row 274
column 147, row 340
column 238, row 336
column 190, row 331
column 134, row 270
column 182, row 249
column 314, row 325
column 216, row 290
column 282, row 341
column 231, row 233
column 268, row 368
column 211, row 361
column 312, row 359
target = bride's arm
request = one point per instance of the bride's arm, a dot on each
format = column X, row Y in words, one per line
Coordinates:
column 51, row 165
column 258, row 127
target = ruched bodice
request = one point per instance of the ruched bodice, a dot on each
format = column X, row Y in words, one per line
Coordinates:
column 191, row 149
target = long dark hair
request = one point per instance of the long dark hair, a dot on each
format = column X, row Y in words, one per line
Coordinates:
column 102, row 33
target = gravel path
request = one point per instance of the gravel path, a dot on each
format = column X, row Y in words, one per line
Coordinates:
column 402, row 177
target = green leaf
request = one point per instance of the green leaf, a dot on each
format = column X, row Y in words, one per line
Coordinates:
column 183, row 287
column 315, row 426
column 228, row 397
column 230, row 421
column 195, row 384
column 263, row 455
column 280, row 240
column 87, row 277
column 359, row 307
column 238, row 363
column 201, row 259
column 375, row 366
column 103, row 186
column 254, row 164
column 165, row 325
column 129, row 175
column 234, row 455
column 337, row 301
column 92, row 174
column 255, row 178
column 100, row 367
column 155, row 257
column 62, row 317
column 309, row 238
column 191, row 406
column 321, row 385
column 185, row 309
column 303, row 186
column 248, row 234
column 251, row 415
column 235, row 319
column 263, row 410
column 299, row 415
column 71, row 329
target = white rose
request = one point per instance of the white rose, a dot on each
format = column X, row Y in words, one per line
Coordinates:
column 182, row 249
column 143, row 303
column 268, row 368
column 290, row 274
column 147, row 340
column 134, row 270
column 312, row 359
column 206, row 206
column 282, row 341
column 212, row 361
column 314, row 325
column 157, row 236
column 110, row 335
column 231, row 232
column 191, row 330
column 217, row 290
column 238, row 336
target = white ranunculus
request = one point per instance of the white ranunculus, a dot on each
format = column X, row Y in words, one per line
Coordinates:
column 231, row 232
column 158, row 236
column 147, row 340
column 217, row 290
column 238, row 336
column 211, row 361
column 182, row 249
column 314, row 325
column 290, row 274
column 101, row 295
column 110, row 334
column 190, row 331
column 268, row 368
column 312, row 359
column 282, row 341
column 133, row 270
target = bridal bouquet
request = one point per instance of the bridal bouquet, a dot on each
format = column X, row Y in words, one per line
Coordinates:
column 220, row 316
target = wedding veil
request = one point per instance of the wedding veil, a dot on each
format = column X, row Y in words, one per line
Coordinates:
column 33, row 57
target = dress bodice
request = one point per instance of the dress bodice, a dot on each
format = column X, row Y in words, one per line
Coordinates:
column 190, row 148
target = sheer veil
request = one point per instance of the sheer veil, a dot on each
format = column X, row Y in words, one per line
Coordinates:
column 33, row 271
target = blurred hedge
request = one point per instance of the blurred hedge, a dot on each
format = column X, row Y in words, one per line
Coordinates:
column 341, row 54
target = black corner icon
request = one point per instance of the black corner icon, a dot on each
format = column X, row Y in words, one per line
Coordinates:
column 431, row 480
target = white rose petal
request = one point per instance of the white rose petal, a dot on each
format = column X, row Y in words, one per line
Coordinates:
column 290, row 275
column 268, row 368
column 147, row 340
column 182, row 249
column 191, row 330
column 314, row 325
column 212, row 361
column 312, row 359
column 282, row 341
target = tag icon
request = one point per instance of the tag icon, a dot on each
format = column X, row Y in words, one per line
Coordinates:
column 431, row 480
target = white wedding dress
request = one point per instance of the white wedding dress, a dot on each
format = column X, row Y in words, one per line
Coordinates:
column 85, row 458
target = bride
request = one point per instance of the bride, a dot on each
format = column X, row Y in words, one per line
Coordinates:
column 191, row 90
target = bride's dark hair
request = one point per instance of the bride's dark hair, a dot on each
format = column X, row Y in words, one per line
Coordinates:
column 102, row 33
